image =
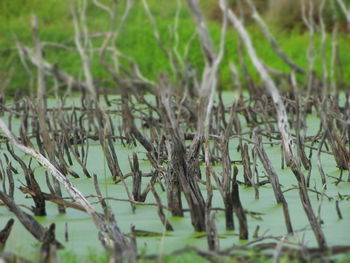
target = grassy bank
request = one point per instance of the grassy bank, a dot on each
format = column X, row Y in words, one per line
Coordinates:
column 137, row 41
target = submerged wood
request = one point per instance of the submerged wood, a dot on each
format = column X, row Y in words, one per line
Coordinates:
column 54, row 199
column 273, row 178
column 283, row 125
column 242, row 219
column 48, row 247
column 39, row 201
column 248, row 178
column 305, row 200
column 183, row 164
column 340, row 152
column 136, row 178
column 212, row 234
column 10, row 257
column 161, row 214
column 271, row 88
column 28, row 221
column 113, row 238
column 5, row 233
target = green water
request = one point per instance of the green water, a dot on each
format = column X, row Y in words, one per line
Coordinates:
column 83, row 234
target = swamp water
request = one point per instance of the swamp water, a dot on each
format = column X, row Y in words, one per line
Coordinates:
column 263, row 212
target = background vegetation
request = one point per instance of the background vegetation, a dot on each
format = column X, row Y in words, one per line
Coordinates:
column 137, row 38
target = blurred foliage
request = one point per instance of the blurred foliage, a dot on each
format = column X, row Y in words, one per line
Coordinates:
column 288, row 14
column 137, row 40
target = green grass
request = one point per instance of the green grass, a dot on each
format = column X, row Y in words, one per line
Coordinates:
column 137, row 41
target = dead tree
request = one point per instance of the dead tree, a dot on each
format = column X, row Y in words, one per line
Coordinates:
column 243, row 226
column 48, row 247
column 345, row 11
column 28, row 221
column 184, row 173
column 40, row 207
column 111, row 236
column 283, row 125
column 272, row 40
column 41, row 103
column 273, row 178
